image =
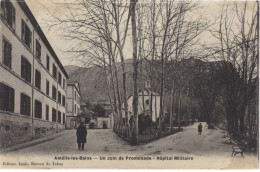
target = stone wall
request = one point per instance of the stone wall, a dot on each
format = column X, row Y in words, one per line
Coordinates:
column 15, row 129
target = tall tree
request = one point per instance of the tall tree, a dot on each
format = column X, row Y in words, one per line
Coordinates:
column 238, row 48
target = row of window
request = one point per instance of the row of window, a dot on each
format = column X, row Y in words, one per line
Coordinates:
column 7, row 103
column 26, row 72
column 8, row 14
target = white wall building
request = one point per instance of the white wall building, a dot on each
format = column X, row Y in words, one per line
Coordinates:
column 104, row 122
column 32, row 79
column 144, row 101
column 73, row 103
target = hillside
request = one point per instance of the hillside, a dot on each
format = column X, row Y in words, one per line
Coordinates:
column 92, row 81
column 71, row 68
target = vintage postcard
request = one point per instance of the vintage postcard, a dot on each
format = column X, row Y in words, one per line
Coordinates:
column 129, row 84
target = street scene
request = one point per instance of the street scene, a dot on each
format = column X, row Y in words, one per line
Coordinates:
column 167, row 84
column 106, row 142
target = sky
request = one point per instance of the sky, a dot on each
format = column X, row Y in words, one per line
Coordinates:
column 38, row 8
column 41, row 9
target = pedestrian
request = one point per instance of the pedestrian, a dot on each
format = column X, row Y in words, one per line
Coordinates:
column 131, row 122
column 81, row 136
column 200, row 128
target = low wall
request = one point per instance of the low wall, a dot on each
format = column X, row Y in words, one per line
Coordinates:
column 146, row 138
column 15, row 128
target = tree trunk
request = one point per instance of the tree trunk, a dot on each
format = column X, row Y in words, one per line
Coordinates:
column 241, row 121
column 121, row 54
column 135, row 72
column 115, row 109
column 108, row 87
column 155, row 108
column 172, row 106
column 118, row 96
column 249, row 122
column 179, row 111
column 151, row 105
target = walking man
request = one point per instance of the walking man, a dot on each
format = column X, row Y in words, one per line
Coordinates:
column 81, row 136
column 200, row 128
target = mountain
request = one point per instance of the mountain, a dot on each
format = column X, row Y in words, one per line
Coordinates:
column 71, row 68
column 93, row 82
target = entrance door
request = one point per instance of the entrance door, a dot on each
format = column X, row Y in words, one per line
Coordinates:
column 72, row 123
column 104, row 125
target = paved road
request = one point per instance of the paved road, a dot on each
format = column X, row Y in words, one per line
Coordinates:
column 100, row 141
column 208, row 150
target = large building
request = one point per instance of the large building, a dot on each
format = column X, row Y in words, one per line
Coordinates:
column 73, row 104
column 32, row 79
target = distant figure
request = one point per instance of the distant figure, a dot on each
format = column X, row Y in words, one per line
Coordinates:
column 131, row 122
column 141, row 121
column 200, row 128
column 81, row 136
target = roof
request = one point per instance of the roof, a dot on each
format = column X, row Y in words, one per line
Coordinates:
column 76, row 85
column 146, row 93
column 37, row 27
column 72, row 83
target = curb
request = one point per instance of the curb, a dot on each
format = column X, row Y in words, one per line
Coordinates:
column 31, row 143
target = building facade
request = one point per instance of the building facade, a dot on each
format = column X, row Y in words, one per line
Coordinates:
column 73, row 104
column 32, row 79
column 104, row 122
column 145, row 99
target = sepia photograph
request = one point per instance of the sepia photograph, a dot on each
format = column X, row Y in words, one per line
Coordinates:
column 129, row 84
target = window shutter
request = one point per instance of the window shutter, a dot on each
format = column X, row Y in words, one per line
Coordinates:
column 23, row 67
column 13, row 15
column 23, row 30
column 6, row 98
column 39, row 50
column 28, row 106
column 30, row 38
column 9, row 55
column 21, row 104
column 40, row 80
column 28, row 73
column 48, row 62
column 40, row 109
column 3, row 8
column 10, row 60
column 11, row 99
column 2, row 98
column 5, row 51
